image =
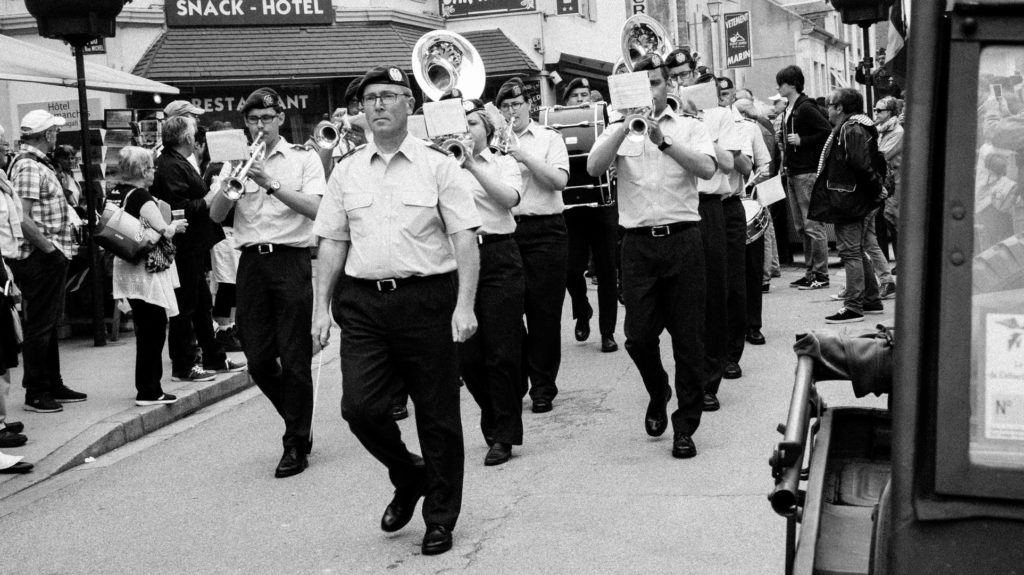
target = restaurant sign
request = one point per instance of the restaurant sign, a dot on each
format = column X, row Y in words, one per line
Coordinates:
column 467, row 8
column 192, row 13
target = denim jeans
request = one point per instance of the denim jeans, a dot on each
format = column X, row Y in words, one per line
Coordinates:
column 879, row 265
column 813, row 233
column 861, row 285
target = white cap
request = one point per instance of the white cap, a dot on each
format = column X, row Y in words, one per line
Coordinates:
column 181, row 107
column 38, row 121
column 776, row 97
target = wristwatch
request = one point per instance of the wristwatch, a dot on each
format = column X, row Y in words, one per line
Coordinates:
column 666, row 142
column 274, row 186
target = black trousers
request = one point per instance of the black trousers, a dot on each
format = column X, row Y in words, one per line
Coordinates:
column 736, row 266
column 195, row 318
column 225, row 300
column 712, row 228
column 406, row 333
column 41, row 278
column 274, row 319
column 491, row 360
column 593, row 230
column 755, row 277
column 543, row 246
column 663, row 285
column 150, row 333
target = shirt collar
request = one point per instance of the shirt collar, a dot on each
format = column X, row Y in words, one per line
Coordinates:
column 407, row 148
column 281, row 146
column 487, row 155
column 33, row 150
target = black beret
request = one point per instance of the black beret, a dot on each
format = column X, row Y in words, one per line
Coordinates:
column 678, row 57
column 263, row 98
column 725, row 83
column 384, row 75
column 574, row 84
column 352, row 91
column 649, row 61
column 705, row 78
column 512, row 88
column 473, row 105
column 454, row 94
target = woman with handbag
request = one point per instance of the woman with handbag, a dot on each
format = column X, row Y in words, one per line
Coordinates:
column 149, row 284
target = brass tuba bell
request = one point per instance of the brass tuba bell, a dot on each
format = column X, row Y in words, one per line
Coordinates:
column 443, row 61
column 643, row 35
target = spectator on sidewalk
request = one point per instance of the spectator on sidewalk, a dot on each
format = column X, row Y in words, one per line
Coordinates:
column 178, row 183
column 223, row 258
column 41, row 266
column 10, row 236
column 150, row 294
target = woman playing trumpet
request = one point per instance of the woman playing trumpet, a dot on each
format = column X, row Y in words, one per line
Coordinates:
column 490, row 360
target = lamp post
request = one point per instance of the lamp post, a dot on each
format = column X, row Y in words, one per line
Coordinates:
column 79, row 22
column 715, row 12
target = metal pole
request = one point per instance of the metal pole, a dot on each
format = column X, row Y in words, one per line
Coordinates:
column 868, row 62
column 99, row 332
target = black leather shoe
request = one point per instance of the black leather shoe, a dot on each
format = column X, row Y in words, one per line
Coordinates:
column 498, row 453
column 11, row 439
column 732, row 371
column 437, row 540
column 710, row 402
column 656, row 421
column 683, row 447
column 608, row 344
column 19, row 467
column 755, row 337
column 293, row 462
column 14, row 426
column 398, row 513
column 583, row 326
column 541, row 405
column 399, row 412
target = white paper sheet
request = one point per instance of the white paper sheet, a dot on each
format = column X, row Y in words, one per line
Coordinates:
column 227, row 146
column 770, row 191
column 445, row 118
column 629, row 91
column 703, row 96
column 417, row 126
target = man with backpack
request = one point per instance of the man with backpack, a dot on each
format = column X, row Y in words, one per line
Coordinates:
column 847, row 191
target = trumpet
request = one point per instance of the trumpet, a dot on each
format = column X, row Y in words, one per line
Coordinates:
column 506, row 138
column 327, row 135
column 638, row 128
column 455, row 146
column 234, row 184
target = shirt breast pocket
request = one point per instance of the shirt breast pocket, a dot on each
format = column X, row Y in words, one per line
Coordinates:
column 631, row 148
column 357, row 209
column 418, row 211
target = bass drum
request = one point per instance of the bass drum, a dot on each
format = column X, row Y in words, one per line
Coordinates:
column 580, row 126
column 757, row 219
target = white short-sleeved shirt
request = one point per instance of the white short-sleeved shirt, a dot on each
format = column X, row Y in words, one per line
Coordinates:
column 546, row 143
column 397, row 214
column 654, row 189
column 496, row 218
column 261, row 218
column 720, row 125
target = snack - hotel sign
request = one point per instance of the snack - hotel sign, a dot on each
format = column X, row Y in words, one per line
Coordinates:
column 191, row 13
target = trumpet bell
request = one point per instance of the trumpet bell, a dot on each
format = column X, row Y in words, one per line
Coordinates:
column 443, row 61
column 642, row 35
column 457, row 148
column 638, row 129
column 326, row 135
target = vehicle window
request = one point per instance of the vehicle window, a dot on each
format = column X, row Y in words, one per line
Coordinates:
column 997, row 339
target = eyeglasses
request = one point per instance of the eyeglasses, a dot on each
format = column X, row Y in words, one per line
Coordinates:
column 513, row 106
column 388, row 98
column 882, row 110
column 680, row 76
column 265, row 119
column 833, row 104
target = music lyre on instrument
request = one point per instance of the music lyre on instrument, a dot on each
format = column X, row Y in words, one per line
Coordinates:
column 235, row 183
column 580, row 126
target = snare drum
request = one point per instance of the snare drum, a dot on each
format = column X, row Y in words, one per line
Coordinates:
column 580, row 126
column 757, row 219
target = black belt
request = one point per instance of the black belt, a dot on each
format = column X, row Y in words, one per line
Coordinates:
column 484, row 239
column 264, row 249
column 710, row 197
column 661, row 231
column 731, row 198
column 540, row 217
column 392, row 284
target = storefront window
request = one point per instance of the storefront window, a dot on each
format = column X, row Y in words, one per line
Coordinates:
column 997, row 303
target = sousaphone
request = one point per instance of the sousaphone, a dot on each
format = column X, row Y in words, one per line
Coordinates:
column 443, row 61
column 642, row 35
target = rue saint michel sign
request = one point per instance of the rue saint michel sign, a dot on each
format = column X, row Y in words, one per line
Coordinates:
column 192, row 13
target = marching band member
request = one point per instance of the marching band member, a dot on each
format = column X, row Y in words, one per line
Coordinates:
column 542, row 240
column 399, row 219
column 592, row 230
column 273, row 227
column 491, row 360
column 662, row 256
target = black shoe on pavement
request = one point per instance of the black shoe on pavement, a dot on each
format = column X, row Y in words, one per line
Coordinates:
column 398, row 513
column 815, row 284
column 874, row 309
column 541, row 405
column 608, row 344
column 710, row 402
column 164, row 399
column 65, row 394
column 228, row 367
column 399, row 412
column 755, row 337
column 583, row 326
column 683, row 447
column 498, row 453
column 42, row 404
column 293, row 462
column 656, row 420
column 844, row 316
column 19, row 467
column 437, row 540
column 14, row 426
column 228, row 337
column 194, row 375
column 802, row 282
column 10, row 439
column 732, row 371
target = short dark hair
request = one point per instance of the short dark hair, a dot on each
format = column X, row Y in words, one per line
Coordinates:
column 849, row 100
column 791, row 75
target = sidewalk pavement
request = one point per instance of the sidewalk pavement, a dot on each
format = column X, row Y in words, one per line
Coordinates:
column 109, row 418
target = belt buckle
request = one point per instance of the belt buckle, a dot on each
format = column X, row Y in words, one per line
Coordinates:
column 388, row 285
column 480, row 239
column 659, row 231
column 264, row 249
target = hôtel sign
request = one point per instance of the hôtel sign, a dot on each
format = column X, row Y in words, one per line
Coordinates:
column 191, row 13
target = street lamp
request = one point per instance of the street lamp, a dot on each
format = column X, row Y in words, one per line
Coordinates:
column 715, row 11
column 79, row 22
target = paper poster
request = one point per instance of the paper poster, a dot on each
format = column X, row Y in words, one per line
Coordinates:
column 703, row 96
column 1004, row 376
column 445, row 118
column 630, row 91
column 227, row 146
column 770, row 191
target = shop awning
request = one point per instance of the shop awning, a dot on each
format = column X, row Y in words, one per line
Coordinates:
column 231, row 56
column 25, row 62
column 570, row 66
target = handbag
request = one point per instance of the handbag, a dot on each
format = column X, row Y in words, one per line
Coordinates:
column 122, row 234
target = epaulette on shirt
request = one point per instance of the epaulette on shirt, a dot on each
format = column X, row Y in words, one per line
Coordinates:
column 303, row 147
column 350, row 152
column 438, row 149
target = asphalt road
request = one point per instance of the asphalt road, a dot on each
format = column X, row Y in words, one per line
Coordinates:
column 589, row 492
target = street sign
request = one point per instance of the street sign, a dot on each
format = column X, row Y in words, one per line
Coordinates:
column 634, row 7
column 67, row 109
column 192, row 13
column 466, row 8
column 737, row 40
